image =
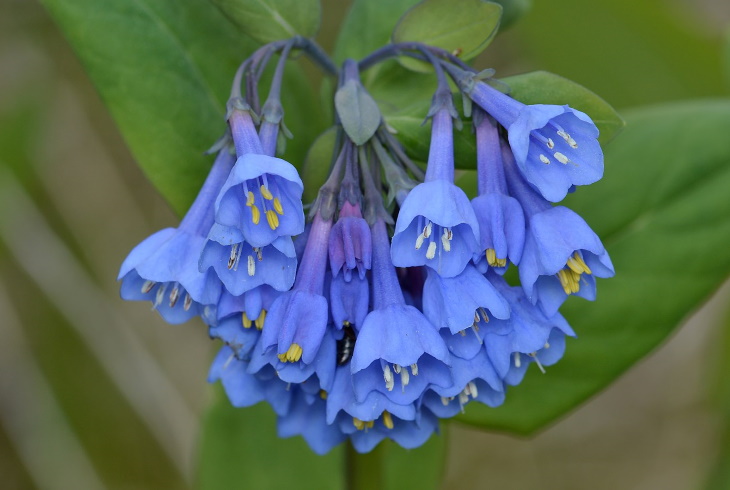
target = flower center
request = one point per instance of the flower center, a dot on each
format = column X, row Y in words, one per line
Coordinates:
column 263, row 196
column 429, row 232
column 259, row 322
column 492, row 259
column 293, row 354
column 542, row 140
column 402, row 371
column 570, row 275
column 174, row 296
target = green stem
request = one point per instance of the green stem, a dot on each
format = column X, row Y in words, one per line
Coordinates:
column 364, row 471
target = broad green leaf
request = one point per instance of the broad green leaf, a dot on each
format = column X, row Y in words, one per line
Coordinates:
column 662, row 212
column 357, row 111
column 632, row 53
column 541, row 87
column 464, row 28
column 368, row 26
column 164, row 68
column 726, row 57
column 317, row 165
column 272, row 20
column 512, row 11
column 240, row 449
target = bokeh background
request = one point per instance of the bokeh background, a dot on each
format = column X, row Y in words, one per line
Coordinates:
column 99, row 393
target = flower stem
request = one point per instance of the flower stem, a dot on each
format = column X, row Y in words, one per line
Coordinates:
column 364, row 471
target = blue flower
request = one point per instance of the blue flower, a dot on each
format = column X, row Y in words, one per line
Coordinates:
column 244, row 389
column 242, row 267
column 527, row 331
column 297, row 320
column 465, row 301
column 397, row 347
column 408, row 434
column 436, row 225
column 350, row 246
column 555, row 146
column 262, row 198
column 562, row 254
column 163, row 268
column 307, row 419
column 500, row 217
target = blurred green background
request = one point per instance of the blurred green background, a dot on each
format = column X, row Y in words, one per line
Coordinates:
column 98, row 393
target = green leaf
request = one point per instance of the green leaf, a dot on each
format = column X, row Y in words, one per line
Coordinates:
column 272, row 20
column 317, row 165
column 541, row 87
column 358, row 112
column 512, row 11
column 662, row 212
column 240, row 449
column 153, row 64
column 368, row 26
column 465, row 28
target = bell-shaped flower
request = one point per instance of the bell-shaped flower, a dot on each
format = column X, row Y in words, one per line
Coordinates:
column 244, row 389
column 398, row 351
column 408, row 434
column 242, row 267
column 163, row 268
column 462, row 302
column 296, row 322
column 262, row 197
column 500, row 217
column 555, row 146
column 306, row 418
column 526, row 332
column 436, row 225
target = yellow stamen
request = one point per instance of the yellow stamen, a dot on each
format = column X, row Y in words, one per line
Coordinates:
column 293, row 354
column 387, row 420
column 493, row 260
column 260, row 320
column 273, row 219
column 249, row 199
column 246, row 321
column 577, row 264
column 323, row 394
column 359, row 424
column 255, row 214
column 570, row 281
column 266, row 193
column 277, row 206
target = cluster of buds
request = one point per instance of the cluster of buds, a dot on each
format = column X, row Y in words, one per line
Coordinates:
column 387, row 309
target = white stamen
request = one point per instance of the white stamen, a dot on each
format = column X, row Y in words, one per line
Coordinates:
column 251, row 266
column 445, row 401
column 188, row 302
column 544, row 159
column 431, row 252
column 537, row 361
column 547, row 346
column 568, row 139
column 561, row 158
column 174, row 295
column 160, row 296
column 147, row 286
column 472, row 387
column 414, row 369
column 550, row 143
column 259, row 255
column 404, row 379
column 228, row 361
column 518, row 360
column 463, row 400
column 388, row 377
column 484, row 314
column 475, row 329
column 427, row 230
column 419, row 241
column 445, row 241
column 397, row 368
column 234, row 253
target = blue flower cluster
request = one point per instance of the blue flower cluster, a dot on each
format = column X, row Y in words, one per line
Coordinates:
column 349, row 333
